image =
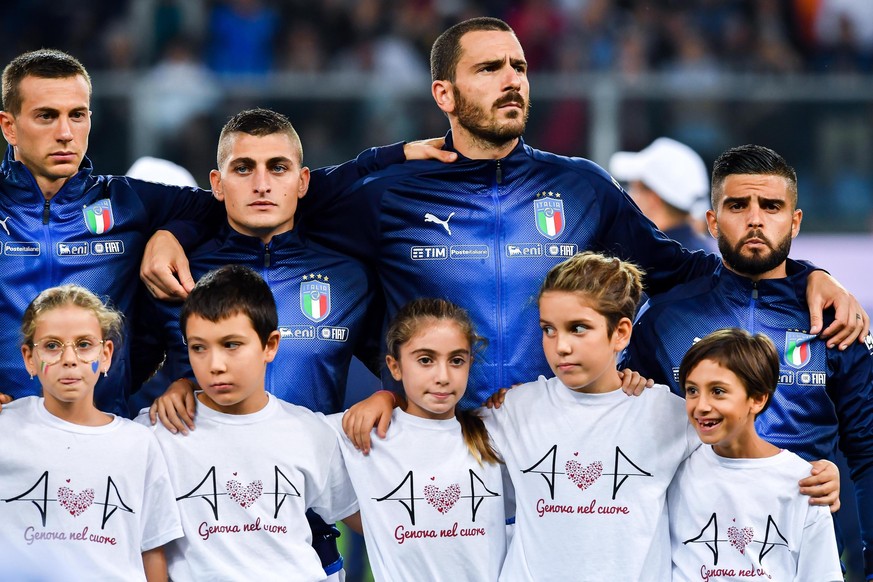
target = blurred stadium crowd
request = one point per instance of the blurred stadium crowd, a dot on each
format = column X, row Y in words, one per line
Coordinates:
column 703, row 37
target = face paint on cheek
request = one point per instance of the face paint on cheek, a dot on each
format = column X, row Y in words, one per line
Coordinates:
column 43, row 366
column 94, row 365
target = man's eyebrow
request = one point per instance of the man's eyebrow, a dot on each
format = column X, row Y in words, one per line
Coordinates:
column 242, row 160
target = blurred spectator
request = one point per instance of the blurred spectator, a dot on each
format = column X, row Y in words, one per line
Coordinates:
column 667, row 180
column 241, row 37
column 176, row 90
column 160, row 170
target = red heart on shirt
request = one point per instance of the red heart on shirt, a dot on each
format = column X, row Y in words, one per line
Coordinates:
column 583, row 477
column 75, row 503
column 247, row 495
column 442, row 501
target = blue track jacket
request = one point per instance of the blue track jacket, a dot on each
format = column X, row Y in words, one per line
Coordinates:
column 483, row 233
column 92, row 233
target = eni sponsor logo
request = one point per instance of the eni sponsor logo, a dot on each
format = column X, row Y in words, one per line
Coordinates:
column 786, row 377
column 429, row 253
column 72, row 249
column 297, row 331
column 524, row 250
column 21, row 248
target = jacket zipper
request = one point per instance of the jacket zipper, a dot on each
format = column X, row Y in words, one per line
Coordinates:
column 495, row 194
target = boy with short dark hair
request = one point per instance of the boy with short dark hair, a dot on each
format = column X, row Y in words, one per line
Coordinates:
column 241, row 490
column 735, row 510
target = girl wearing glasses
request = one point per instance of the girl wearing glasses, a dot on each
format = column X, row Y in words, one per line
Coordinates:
column 84, row 492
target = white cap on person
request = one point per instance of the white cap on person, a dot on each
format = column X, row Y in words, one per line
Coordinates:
column 162, row 171
column 674, row 171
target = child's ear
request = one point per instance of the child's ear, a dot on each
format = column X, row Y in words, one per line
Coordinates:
column 758, row 402
column 622, row 333
column 394, row 368
column 108, row 349
column 26, row 352
column 272, row 346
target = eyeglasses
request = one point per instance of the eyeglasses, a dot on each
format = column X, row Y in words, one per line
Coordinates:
column 50, row 351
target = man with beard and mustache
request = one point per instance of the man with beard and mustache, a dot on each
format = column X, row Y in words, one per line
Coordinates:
column 483, row 231
column 824, row 396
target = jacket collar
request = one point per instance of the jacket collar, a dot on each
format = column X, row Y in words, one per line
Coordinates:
column 16, row 175
column 230, row 237
column 793, row 284
column 517, row 152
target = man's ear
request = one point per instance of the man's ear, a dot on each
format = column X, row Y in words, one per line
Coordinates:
column 712, row 223
column 795, row 222
column 303, row 186
column 215, row 182
column 443, row 95
column 7, row 123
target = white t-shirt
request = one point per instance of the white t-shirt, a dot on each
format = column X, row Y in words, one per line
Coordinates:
column 243, row 484
column 590, row 473
column 429, row 510
column 745, row 519
column 74, row 496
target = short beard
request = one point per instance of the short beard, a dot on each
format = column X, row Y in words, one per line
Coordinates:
column 491, row 135
column 757, row 264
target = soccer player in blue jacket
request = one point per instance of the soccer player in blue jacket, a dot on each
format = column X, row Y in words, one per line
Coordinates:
column 825, row 396
column 482, row 232
column 61, row 222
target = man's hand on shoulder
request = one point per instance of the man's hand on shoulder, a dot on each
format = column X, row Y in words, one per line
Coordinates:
column 428, row 149
column 164, row 269
column 851, row 321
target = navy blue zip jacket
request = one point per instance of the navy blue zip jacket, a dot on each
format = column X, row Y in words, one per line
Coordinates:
column 324, row 301
column 92, row 233
column 483, row 233
column 824, row 397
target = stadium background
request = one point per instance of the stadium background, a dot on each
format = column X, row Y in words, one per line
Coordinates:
column 606, row 75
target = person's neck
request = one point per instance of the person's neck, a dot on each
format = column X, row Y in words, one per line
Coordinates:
column 255, row 403
column 752, row 447
column 476, row 148
column 81, row 412
column 780, row 272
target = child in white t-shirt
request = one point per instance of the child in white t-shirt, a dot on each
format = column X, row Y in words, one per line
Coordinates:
column 735, row 509
column 590, row 465
column 431, row 493
column 84, row 493
column 245, row 478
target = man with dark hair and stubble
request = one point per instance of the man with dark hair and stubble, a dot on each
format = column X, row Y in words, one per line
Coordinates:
column 824, row 397
column 483, row 231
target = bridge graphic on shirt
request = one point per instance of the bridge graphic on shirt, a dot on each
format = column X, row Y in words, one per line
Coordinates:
column 207, row 490
column 38, row 496
column 404, row 494
column 623, row 468
column 773, row 538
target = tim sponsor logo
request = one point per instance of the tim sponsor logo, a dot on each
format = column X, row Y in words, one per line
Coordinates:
column 21, row 249
column 73, row 249
column 333, row 334
column 297, row 331
column 429, row 253
column 522, row 250
column 469, row 251
column 107, row 247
